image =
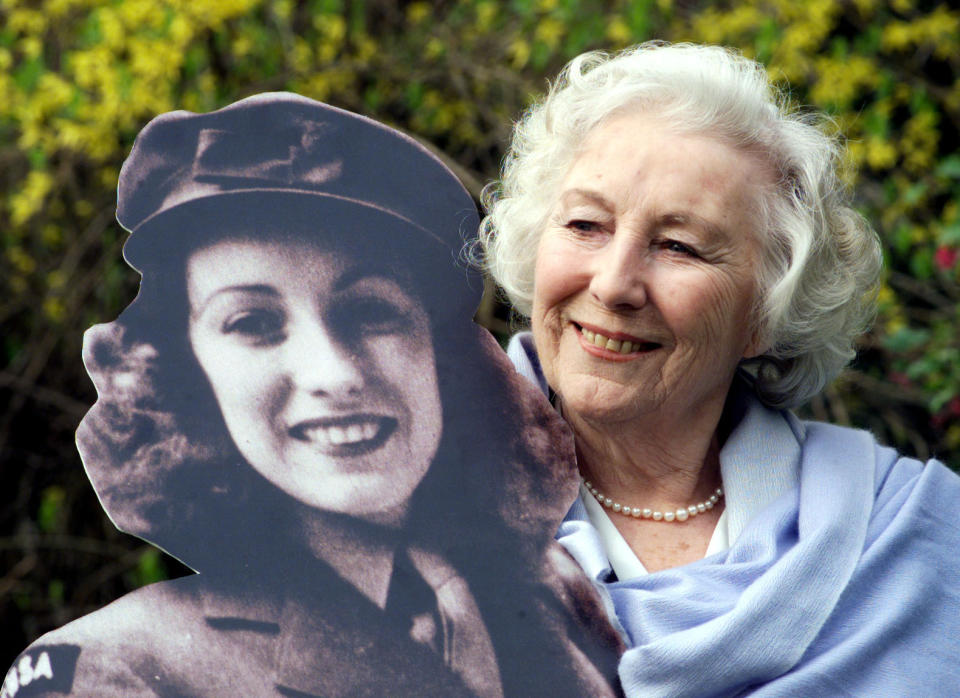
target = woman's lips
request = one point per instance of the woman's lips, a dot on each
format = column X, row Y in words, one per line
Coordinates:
column 345, row 436
column 617, row 343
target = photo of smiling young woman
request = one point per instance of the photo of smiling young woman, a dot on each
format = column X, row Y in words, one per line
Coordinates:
column 298, row 406
column 322, row 368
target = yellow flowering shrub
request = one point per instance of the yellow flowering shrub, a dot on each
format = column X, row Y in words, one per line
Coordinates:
column 78, row 78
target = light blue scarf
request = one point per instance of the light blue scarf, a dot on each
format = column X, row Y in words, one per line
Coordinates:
column 845, row 580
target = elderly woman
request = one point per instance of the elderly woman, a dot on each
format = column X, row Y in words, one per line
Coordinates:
column 691, row 268
column 285, row 407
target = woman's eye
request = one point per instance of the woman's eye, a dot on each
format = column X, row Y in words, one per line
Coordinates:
column 256, row 325
column 583, row 226
column 680, row 248
column 371, row 316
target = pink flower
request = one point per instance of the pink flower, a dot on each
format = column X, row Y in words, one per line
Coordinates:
column 946, row 257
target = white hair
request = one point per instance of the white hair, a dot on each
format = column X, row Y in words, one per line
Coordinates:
column 821, row 260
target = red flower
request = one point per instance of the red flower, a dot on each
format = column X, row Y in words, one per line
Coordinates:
column 947, row 414
column 953, row 407
column 946, row 257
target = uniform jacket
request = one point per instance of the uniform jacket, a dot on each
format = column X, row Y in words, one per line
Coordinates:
column 312, row 635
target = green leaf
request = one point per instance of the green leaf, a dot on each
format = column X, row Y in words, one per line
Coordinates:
column 328, row 7
column 414, row 95
column 372, row 99
column 840, row 48
column 941, row 398
column 949, row 234
column 28, row 74
column 638, row 19
column 877, row 123
column 582, row 33
column 55, row 592
column 902, row 239
column 949, row 167
column 540, row 55
column 357, row 18
column 890, row 190
column 524, row 8
column 921, row 368
column 767, row 39
column 915, row 193
column 12, row 347
column 867, row 43
column 921, row 264
column 887, row 80
column 150, row 567
column 195, row 60
column 906, row 339
column 948, row 357
column 90, row 33
column 37, row 158
column 50, row 514
column 920, row 101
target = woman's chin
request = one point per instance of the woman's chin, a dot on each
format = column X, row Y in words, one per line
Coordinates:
column 601, row 408
column 386, row 518
column 607, row 390
column 387, row 508
column 377, row 495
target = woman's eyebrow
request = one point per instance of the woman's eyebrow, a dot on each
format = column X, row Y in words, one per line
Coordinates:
column 712, row 231
column 594, row 197
column 256, row 289
column 362, row 271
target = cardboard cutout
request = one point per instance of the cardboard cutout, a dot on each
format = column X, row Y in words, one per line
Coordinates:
column 299, row 408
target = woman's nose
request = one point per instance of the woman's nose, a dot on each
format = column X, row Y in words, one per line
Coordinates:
column 316, row 361
column 618, row 280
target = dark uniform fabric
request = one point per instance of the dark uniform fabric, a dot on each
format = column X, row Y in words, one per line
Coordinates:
column 204, row 636
column 200, row 637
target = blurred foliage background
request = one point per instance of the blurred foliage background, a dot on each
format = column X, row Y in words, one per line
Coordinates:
column 79, row 78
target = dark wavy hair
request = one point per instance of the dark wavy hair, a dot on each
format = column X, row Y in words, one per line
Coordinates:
column 165, row 468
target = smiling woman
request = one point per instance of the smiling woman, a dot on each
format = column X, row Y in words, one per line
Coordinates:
column 289, row 408
column 691, row 266
column 318, row 359
column 633, row 229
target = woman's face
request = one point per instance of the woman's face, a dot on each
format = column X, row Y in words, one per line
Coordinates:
column 323, row 367
column 644, row 274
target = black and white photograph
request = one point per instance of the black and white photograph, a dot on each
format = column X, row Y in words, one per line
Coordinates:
column 298, row 406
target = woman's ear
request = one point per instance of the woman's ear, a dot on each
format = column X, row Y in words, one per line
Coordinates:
column 755, row 348
column 758, row 342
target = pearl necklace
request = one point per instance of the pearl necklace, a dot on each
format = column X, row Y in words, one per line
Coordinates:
column 681, row 514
